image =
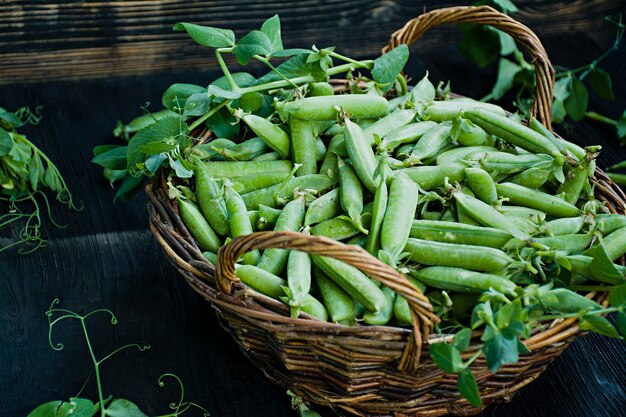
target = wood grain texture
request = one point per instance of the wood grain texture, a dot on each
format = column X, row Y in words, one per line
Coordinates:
column 64, row 40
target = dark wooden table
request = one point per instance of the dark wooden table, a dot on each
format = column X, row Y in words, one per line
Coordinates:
column 107, row 257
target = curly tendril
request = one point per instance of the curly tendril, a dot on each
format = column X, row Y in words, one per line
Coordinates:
column 182, row 406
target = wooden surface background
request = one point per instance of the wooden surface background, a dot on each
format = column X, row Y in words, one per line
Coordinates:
column 90, row 55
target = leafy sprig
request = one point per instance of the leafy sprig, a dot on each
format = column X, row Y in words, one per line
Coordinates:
column 25, row 173
column 104, row 407
column 167, row 138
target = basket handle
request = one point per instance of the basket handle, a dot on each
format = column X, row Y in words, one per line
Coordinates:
column 421, row 309
column 415, row 28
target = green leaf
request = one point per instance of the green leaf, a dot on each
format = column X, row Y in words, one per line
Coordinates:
column 242, row 79
column 176, row 95
column 181, row 171
column 271, row 27
column 576, row 103
column 114, row 175
column 154, row 162
column 34, row 173
column 130, row 186
column 617, row 296
column 562, row 89
column 423, row 90
column 602, row 268
column 206, row 35
column 82, row 407
column 251, row 101
column 123, row 408
column 558, row 111
column 621, row 126
column 388, row 66
column 197, row 104
column 156, row 147
column 507, row 43
column 522, row 348
column 254, row 43
column 6, row 142
column 620, row 322
column 480, row 44
column 467, row 386
column 598, row 325
column 114, row 158
column 97, row 150
column 52, row 409
column 446, row 357
column 601, row 83
column 162, row 130
column 217, row 91
column 295, row 67
column 21, row 151
column 462, row 339
column 500, row 350
column 506, row 5
column 223, row 124
column 509, row 313
column 283, row 53
column 507, row 70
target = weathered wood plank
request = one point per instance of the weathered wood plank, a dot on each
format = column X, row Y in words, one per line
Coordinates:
column 43, row 41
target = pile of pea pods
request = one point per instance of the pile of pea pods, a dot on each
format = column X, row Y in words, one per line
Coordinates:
column 460, row 197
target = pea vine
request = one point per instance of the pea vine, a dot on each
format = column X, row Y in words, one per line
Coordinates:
column 164, row 138
column 25, row 173
column 118, row 407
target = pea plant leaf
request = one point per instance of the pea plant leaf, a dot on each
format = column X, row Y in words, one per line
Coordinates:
column 468, row 388
column 446, row 357
column 113, row 159
column 207, row 36
column 620, row 322
column 223, row 124
column 197, row 104
column 480, row 44
column 6, row 142
column 507, row 70
column 290, row 52
column 242, row 79
column 254, row 43
column 602, row 268
column 617, row 296
column 598, row 325
column 423, row 90
column 601, row 83
column 123, row 408
column 506, row 5
column 500, row 350
column 129, row 187
column 388, row 66
column 163, row 130
column 621, row 126
column 52, row 409
column 217, row 91
column 176, row 95
column 576, row 103
column 462, row 339
column 271, row 27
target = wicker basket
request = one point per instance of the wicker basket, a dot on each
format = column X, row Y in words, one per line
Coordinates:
column 364, row 370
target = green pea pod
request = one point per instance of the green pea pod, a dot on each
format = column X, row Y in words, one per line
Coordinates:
column 566, row 301
column 615, row 243
column 513, row 132
column 567, row 225
column 272, row 135
column 378, row 216
column 338, row 228
column 476, row 258
column 314, row 307
column 404, row 134
column 255, row 182
column 269, row 156
column 486, row 215
column 334, row 130
column 529, row 197
column 452, row 232
column 239, row 221
column 383, row 316
column 533, row 177
column 389, row 123
column 401, row 308
column 338, row 303
column 323, row 208
column 431, row 177
column 321, row 89
column 303, row 146
column 320, row 151
column 198, row 226
column 298, row 279
column 571, row 243
column 228, row 169
column 358, row 240
column 275, row 260
column 464, row 281
column 210, row 200
column 508, row 163
column 535, row 125
column 575, row 180
column 467, row 133
column 358, row 106
column 532, row 215
column 269, row 214
column 275, row 195
column 351, row 194
column 458, row 154
column 430, row 144
column 207, row 150
column 253, row 215
column 609, row 223
column 440, row 111
column 482, row 185
column 361, row 154
column 354, row 282
column 244, row 151
column 399, row 215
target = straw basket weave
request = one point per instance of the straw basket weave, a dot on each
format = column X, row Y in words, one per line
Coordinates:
column 364, row 370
